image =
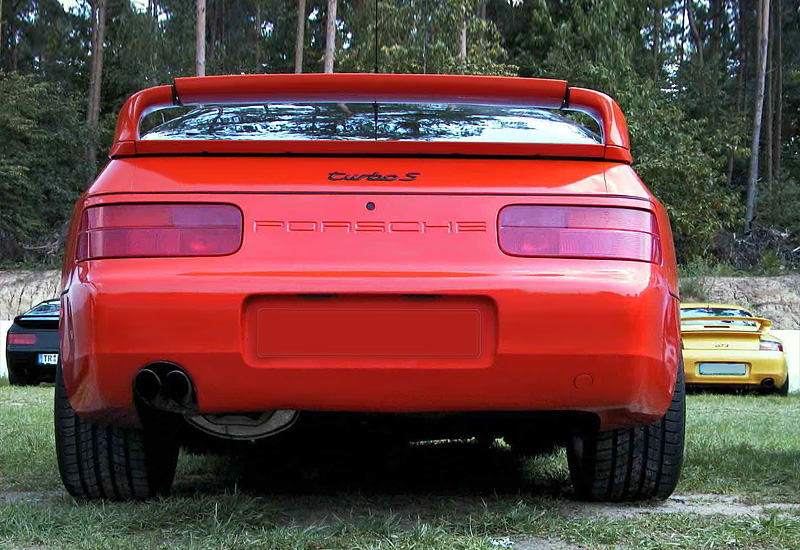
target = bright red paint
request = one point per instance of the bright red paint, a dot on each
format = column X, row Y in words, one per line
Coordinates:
column 411, row 306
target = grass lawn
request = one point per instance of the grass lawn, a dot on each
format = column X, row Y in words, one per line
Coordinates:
column 740, row 489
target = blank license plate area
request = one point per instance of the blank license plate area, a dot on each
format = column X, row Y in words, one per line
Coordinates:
column 373, row 328
column 729, row 369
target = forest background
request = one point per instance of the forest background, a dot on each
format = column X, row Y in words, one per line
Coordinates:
column 711, row 89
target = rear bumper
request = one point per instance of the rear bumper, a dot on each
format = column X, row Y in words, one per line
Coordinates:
column 25, row 364
column 595, row 336
column 760, row 365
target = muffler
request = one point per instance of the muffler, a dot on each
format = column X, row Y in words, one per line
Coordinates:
column 147, row 385
column 178, row 388
column 164, row 386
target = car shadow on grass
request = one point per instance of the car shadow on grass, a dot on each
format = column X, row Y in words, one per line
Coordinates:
column 418, row 481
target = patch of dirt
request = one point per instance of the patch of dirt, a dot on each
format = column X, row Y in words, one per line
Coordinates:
column 21, row 290
column 29, row 496
column 775, row 298
column 535, row 543
column 701, row 505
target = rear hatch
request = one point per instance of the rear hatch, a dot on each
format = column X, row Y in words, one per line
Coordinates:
column 720, row 339
column 366, row 171
column 719, row 327
column 300, row 211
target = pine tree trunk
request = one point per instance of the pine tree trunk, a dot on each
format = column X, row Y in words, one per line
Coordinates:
column 101, row 38
column 657, row 24
column 739, row 82
column 212, row 25
column 2, row 42
column 752, row 180
column 717, row 11
column 95, row 80
column 11, row 39
column 745, row 42
column 258, row 37
column 152, row 10
column 300, row 40
column 777, row 124
column 330, row 37
column 698, row 42
column 682, row 41
column 740, row 53
column 462, row 48
column 200, row 40
column 92, row 65
column 769, row 87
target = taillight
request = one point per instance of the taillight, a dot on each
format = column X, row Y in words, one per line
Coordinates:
column 20, row 339
column 770, row 345
column 152, row 230
column 599, row 232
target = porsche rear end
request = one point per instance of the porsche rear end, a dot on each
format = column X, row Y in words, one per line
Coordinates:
column 733, row 352
column 226, row 279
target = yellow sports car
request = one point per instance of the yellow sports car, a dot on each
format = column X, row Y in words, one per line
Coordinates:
column 725, row 345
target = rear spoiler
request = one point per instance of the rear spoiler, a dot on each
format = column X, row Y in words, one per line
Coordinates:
column 761, row 324
column 39, row 320
column 486, row 90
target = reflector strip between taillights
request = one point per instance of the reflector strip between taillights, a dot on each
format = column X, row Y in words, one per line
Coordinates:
column 593, row 232
column 159, row 230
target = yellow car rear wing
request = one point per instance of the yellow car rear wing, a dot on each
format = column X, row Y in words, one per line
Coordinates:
column 711, row 324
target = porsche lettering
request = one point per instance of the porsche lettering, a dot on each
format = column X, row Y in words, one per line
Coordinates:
column 322, row 226
column 374, row 176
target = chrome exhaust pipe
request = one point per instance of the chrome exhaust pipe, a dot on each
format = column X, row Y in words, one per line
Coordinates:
column 178, row 388
column 147, row 385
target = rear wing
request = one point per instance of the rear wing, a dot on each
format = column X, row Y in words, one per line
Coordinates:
column 711, row 324
column 379, row 88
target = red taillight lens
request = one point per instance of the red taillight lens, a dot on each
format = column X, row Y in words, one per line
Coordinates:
column 148, row 230
column 770, row 345
column 599, row 232
column 21, row 339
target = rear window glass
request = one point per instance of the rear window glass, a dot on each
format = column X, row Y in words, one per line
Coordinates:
column 45, row 309
column 369, row 121
column 712, row 312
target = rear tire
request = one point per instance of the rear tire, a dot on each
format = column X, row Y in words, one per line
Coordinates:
column 109, row 462
column 634, row 463
column 783, row 391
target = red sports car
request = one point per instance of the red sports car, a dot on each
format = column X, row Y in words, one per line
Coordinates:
column 435, row 256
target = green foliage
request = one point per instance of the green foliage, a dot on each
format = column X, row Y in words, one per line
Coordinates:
column 779, row 205
column 694, row 289
column 421, row 36
column 42, row 133
column 682, row 158
column 740, row 455
column 688, row 103
column 676, row 159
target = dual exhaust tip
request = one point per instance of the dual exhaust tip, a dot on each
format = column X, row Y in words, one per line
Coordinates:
column 165, row 387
